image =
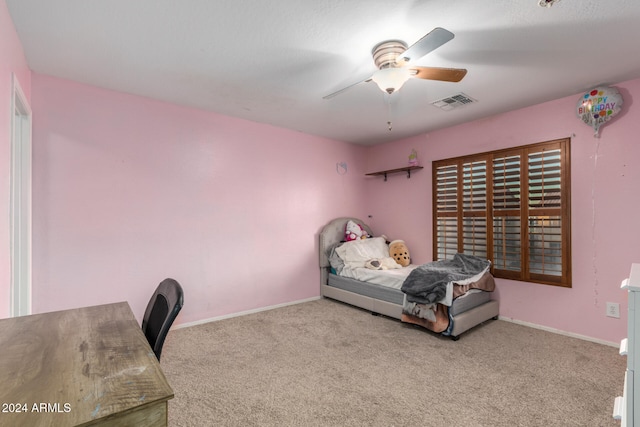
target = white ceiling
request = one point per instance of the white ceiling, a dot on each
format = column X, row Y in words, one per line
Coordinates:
column 273, row 61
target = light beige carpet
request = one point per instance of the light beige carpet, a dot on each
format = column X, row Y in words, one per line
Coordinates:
column 323, row 363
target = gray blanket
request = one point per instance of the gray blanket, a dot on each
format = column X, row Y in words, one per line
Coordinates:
column 427, row 284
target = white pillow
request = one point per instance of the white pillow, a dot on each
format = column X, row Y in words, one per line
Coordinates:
column 357, row 252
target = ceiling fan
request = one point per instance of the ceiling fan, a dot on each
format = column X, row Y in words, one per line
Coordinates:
column 393, row 57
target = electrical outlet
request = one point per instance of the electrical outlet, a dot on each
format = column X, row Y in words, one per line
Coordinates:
column 613, row 310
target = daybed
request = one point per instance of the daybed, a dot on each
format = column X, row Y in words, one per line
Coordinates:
column 468, row 306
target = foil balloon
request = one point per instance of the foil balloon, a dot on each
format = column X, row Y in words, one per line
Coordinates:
column 598, row 106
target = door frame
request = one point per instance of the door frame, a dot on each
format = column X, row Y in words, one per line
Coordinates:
column 20, row 201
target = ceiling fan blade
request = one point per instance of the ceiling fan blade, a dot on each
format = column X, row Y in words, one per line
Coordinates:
column 442, row 74
column 344, row 89
column 433, row 40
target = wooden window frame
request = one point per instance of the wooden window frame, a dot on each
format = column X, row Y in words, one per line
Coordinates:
column 549, row 207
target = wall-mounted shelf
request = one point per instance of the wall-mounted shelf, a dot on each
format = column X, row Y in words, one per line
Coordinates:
column 406, row 169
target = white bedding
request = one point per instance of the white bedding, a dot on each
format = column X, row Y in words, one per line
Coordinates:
column 356, row 253
column 389, row 278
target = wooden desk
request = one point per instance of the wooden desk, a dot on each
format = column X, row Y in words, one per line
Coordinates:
column 81, row 367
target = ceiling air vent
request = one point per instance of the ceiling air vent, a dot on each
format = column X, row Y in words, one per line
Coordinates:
column 452, row 102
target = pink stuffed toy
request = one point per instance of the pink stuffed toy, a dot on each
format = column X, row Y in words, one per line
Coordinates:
column 354, row 231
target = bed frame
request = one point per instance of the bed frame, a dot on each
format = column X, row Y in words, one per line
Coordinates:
column 333, row 233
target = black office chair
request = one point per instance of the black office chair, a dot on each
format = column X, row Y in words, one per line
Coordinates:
column 164, row 306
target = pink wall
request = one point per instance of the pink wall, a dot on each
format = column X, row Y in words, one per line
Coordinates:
column 12, row 60
column 128, row 191
column 605, row 202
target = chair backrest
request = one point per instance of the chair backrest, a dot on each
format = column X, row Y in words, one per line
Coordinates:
column 164, row 306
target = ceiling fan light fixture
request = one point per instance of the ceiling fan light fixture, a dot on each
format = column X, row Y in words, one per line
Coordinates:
column 390, row 80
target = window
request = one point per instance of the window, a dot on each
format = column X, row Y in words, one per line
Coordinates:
column 509, row 206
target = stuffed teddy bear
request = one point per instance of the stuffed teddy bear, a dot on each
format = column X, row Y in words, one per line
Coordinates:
column 354, row 231
column 382, row 264
column 399, row 252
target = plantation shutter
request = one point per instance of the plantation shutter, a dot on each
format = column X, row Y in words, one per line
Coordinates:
column 507, row 224
column 446, row 218
column 474, row 208
column 509, row 206
column 545, row 213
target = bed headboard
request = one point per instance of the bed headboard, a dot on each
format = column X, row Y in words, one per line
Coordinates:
column 333, row 233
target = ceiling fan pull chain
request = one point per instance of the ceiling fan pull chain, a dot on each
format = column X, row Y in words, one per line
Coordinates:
column 389, row 112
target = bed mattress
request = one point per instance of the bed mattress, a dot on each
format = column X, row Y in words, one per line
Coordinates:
column 372, row 290
column 471, row 299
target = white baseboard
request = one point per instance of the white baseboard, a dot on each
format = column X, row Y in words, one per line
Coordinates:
column 243, row 313
column 559, row 332
column 506, row 319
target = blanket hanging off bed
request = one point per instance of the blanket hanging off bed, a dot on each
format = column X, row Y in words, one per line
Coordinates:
column 427, row 284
